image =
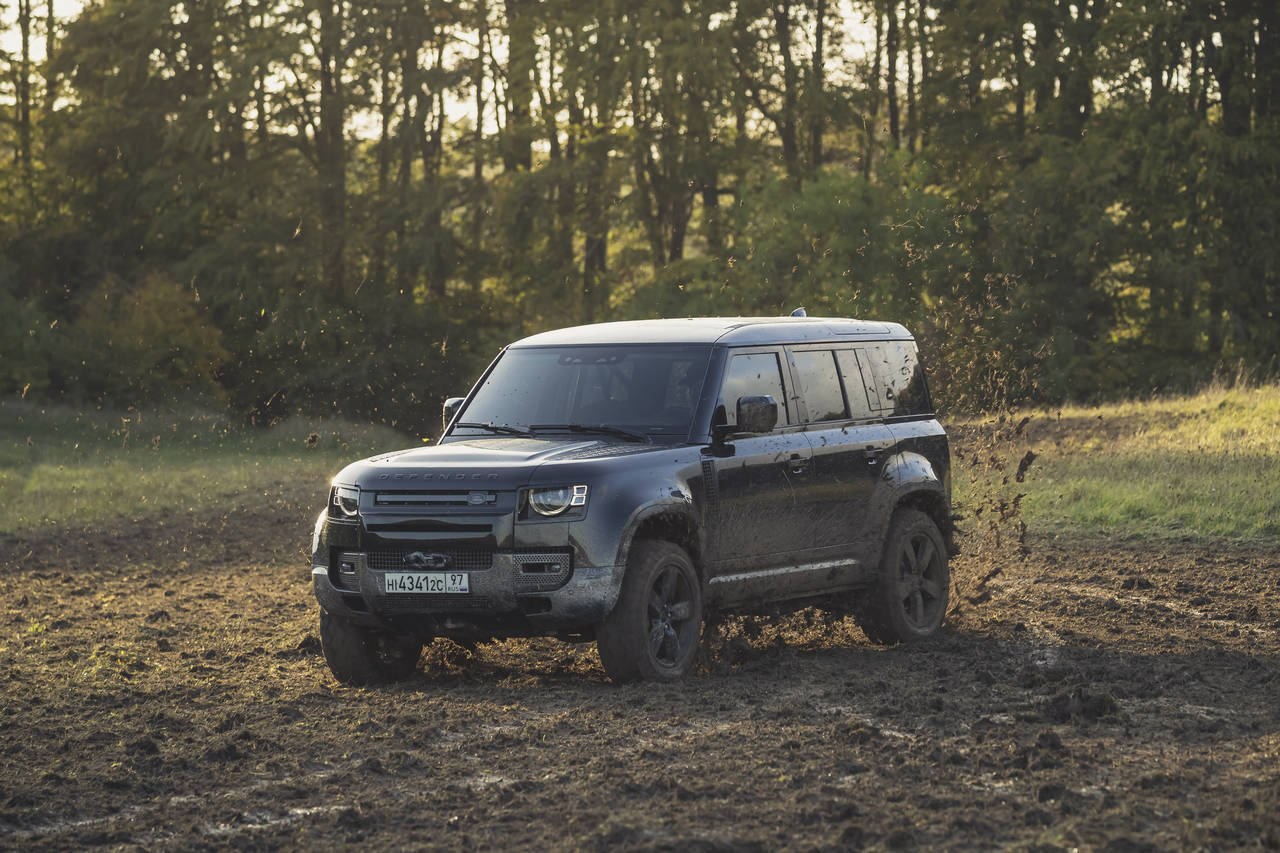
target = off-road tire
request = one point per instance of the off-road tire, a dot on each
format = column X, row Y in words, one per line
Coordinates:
column 909, row 600
column 654, row 631
column 360, row 655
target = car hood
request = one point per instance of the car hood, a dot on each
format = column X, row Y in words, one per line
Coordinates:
column 488, row 463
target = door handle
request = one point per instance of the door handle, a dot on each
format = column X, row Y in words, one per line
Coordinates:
column 798, row 464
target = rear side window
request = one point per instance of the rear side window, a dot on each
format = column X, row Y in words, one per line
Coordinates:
column 820, row 384
column 751, row 375
column 862, row 396
column 900, row 378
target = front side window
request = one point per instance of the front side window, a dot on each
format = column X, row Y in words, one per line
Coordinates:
column 751, row 375
column 646, row 389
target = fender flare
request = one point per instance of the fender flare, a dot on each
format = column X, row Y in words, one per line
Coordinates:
column 680, row 508
column 904, row 474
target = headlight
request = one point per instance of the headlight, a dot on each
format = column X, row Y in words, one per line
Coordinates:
column 556, row 500
column 347, row 500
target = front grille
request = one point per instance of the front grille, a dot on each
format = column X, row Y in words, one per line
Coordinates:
column 434, row 603
column 459, row 560
column 542, row 571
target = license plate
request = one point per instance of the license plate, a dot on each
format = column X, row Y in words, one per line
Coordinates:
column 427, row 582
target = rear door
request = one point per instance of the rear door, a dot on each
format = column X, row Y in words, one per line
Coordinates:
column 850, row 443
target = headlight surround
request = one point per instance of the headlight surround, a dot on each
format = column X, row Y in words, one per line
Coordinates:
column 345, row 501
column 556, row 500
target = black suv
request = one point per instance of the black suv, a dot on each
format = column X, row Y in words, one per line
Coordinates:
column 616, row 482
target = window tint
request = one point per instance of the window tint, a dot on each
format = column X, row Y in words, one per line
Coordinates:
column 751, row 375
column 820, row 385
column 900, row 378
column 862, row 397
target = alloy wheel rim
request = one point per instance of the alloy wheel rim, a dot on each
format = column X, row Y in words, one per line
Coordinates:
column 670, row 616
column 921, row 587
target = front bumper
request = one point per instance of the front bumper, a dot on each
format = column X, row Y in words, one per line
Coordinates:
column 504, row 599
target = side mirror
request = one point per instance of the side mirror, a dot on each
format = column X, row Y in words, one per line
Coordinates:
column 451, row 407
column 757, row 414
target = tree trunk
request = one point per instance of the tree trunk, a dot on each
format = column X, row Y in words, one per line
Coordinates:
column 872, row 119
column 50, row 79
column 818, row 84
column 1019, row 75
column 521, row 56
column 23, row 89
column 1045, row 61
column 560, row 155
column 409, row 123
column 1230, row 66
column 477, row 149
column 891, row 77
column 331, row 153
column 1267, row 64
column 595, row 227
column 386, row 112
column 922, row 40
column 790, row 93
column 908, row 17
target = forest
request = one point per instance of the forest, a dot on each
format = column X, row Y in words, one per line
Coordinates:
column 325, row 207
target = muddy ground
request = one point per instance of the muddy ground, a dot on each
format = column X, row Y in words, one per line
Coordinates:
column 163, row 688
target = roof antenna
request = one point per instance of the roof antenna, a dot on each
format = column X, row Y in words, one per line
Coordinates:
column 799, row 312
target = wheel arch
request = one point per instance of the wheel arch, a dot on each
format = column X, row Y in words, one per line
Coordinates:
column 671, row 523
column 935, row 505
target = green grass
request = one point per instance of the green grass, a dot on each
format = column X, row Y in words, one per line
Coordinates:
column 1201, row 467
column 59, row 466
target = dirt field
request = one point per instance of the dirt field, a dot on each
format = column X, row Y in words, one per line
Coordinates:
column 163, row 688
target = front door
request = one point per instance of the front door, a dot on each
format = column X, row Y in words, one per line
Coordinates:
column 761, row 480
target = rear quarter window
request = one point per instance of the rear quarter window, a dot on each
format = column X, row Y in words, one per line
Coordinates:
column 859, row 386
column 900, row 378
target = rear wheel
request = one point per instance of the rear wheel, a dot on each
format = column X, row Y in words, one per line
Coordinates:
column 359, row 655
column 654, row 629
column 910, row 597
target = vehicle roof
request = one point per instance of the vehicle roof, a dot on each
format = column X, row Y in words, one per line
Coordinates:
column 729, row 331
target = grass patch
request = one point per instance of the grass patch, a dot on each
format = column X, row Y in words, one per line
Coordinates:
column 1197, row 467
column 59, row 466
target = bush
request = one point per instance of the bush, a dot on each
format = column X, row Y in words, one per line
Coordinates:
column 147, row 342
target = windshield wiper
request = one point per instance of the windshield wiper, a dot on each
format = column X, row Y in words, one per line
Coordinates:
column 498, row 428
column 630, row 435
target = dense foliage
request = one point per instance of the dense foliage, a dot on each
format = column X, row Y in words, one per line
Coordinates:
column 318, row 204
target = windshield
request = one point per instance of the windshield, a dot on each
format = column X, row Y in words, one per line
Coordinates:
column 650, row 390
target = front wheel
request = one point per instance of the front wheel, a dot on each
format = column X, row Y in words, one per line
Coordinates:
column 359, row 655
column 910, row 597
column 654, row 629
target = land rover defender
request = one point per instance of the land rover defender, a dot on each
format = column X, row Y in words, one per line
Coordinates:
column 620, row 481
